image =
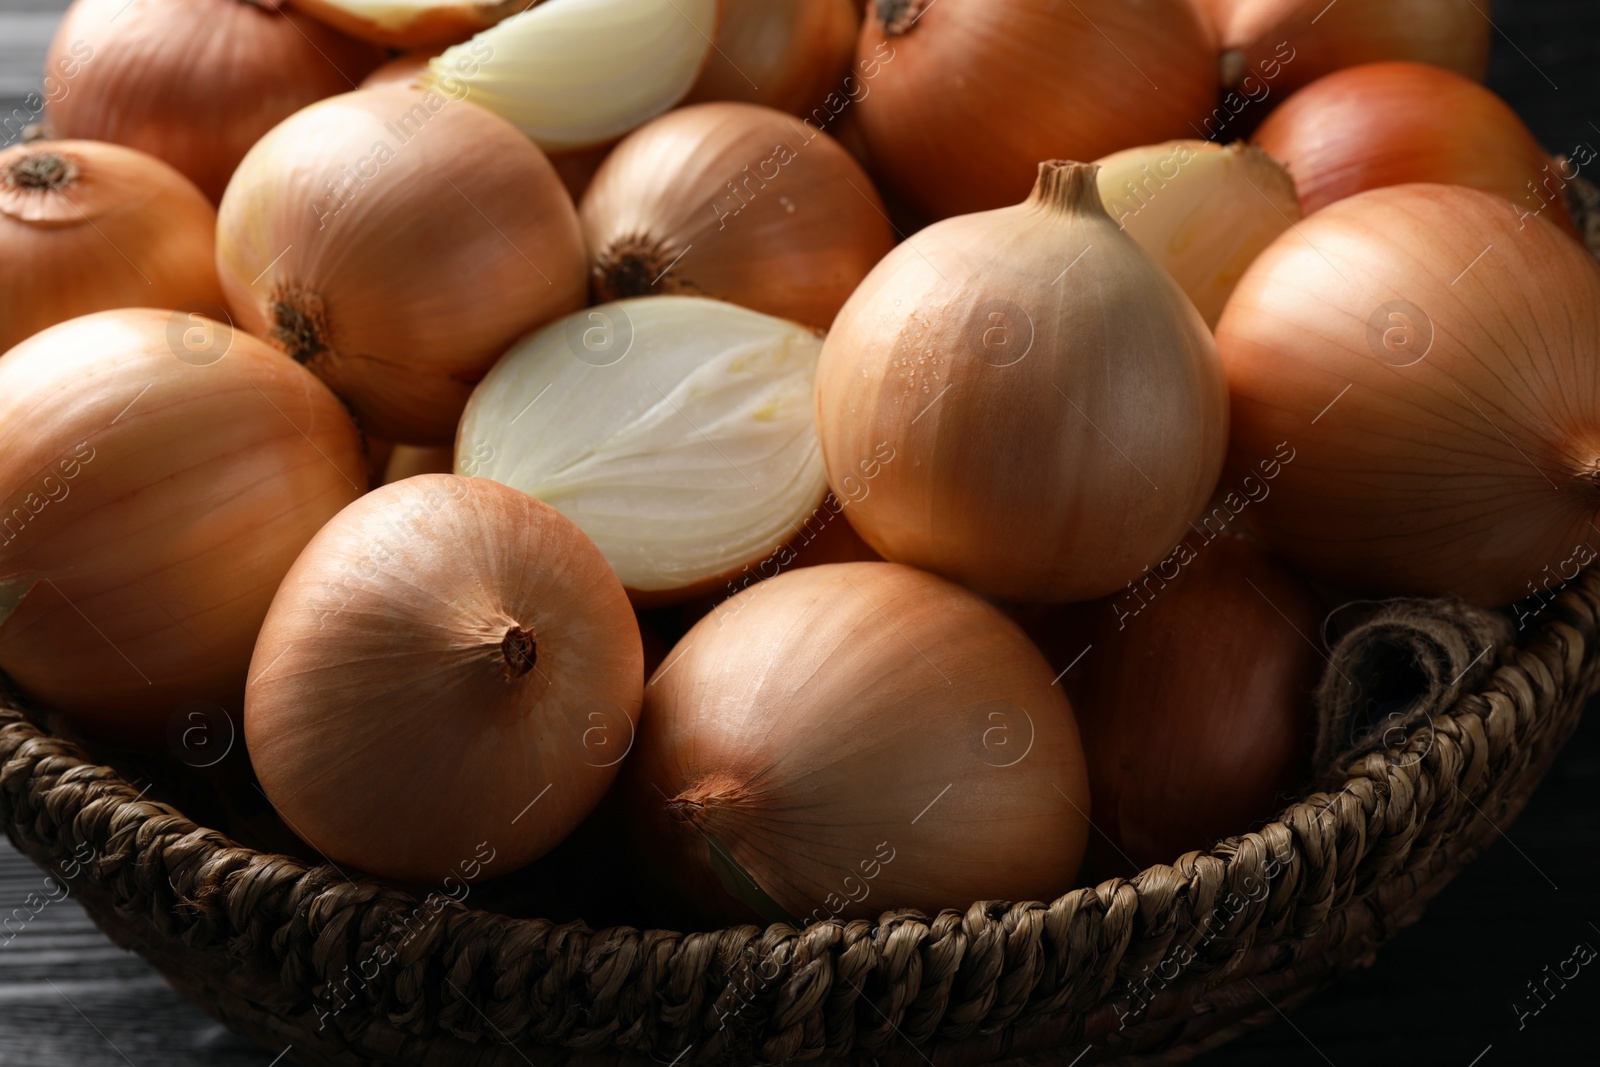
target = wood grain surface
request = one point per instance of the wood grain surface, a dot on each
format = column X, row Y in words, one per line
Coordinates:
column 1448, row 992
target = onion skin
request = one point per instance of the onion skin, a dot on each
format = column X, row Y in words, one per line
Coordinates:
column 401, row 289
column 1323, row 38
column 440, row 24
column 843, row 714
column 935, row 90
column 685, row 204
column 1431, row 474
column 1193, row 698
column 1399, row 123
column 786, row 54
column 445, row 653
column 408, row 461
column 401, row 72
column 168, row 500
column 194, row 82
column 86, row 226
column 1055, row 402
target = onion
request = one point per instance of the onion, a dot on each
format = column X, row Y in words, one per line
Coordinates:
column 402, row 72
column 1394, row 123
column 86, row 226
column 445, row 655
column 677, row 433
column 858, row 737
column 408, row 461
column 1291, row 43
column 1192, row 690
column 579, row 73
column 397, row 243
column 1055, row 400
column 1202, row 211
column 413, row 23
column 1431, row 359
column 962, row 98
column 787, row 54
column 737, row 202
column 194, row 82
column 158, row 475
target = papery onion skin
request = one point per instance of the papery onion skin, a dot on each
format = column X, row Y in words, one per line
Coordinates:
column 962, row 98
column 87, row 226
column 677, row 432
column 153, row 493
column 448, row 663
column 857, row 726
column 1399, row 123
column 1286, row 44
column 412, row 25
column 1442, row 397
column 1203, row 211
column 581, row 73
column 1193, row 696
column 1054, row 400
column 786, row 54
column 397, row 242
column 736, row 202
column 193, row 82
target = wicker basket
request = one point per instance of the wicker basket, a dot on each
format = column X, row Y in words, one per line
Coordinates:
column 1148, row 970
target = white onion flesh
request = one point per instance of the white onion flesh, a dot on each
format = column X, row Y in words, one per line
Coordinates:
column 575, row 73
column 677, row 432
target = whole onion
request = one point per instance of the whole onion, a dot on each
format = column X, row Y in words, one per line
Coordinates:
column 1429, row 355
column 853, row 738
column 194, row 82
column 159, row 473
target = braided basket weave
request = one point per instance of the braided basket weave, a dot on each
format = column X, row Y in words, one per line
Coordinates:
column 1145, row 970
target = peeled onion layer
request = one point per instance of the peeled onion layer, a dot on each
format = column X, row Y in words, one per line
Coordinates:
column 1203, row 211
column 576, row 73
column 1431, row 358
column 412, row 23
column 853, row 738
column 676, row 431
column 152, row 496
column 448, row 664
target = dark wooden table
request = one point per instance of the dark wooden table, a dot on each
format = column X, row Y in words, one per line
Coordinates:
column 1446, row 993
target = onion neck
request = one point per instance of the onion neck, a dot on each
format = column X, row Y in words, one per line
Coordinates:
column 1068, row 188
column 898, row 16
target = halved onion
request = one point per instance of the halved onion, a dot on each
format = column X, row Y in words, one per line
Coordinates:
column 582, row 72
column 676, row 431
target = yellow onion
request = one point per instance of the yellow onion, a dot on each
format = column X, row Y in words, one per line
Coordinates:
column 857, row 737
column 408, row 461
column 787, row 54
column 397, row 242
column 960, row 99
column 579, row 73
column 449, row 663
column 1284, row 44
column 1202, row 211
column 1430, row 357
column 86, row 226
column 1192, row 690
column 1054, row 401
column 413, row 23
column 404, row 71
column 158, row 475
column 1394, row 123
column 736, row 202
column 676, row 431
column 194, row 82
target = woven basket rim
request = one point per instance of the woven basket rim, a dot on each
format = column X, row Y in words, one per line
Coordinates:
column 219, row 891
